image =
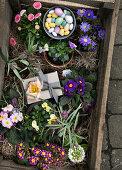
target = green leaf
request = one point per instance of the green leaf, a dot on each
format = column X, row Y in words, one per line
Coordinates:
column 94, row 94
column 88, row 100
column 76, row 121
column 64, row 100
column 17, row 74
column 25, row 62
column 13, row 136
column 12, row 93
column 88, row 86
column 92, row 77
column 85, row 146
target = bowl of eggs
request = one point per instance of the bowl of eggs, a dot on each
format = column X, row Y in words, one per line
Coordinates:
column 59, row 22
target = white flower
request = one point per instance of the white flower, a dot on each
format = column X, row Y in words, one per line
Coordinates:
column 22, row 12
column 34, row 125
column 44, row 105
column 52, row 118
column 7, row 123
column 8, row 108
column 3, row 116
column 20, row 116
column 14, row 117
column 46, row 47
column 76, row 154
column 65, row 72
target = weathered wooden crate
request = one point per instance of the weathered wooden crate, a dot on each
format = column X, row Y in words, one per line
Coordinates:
column 109, row 9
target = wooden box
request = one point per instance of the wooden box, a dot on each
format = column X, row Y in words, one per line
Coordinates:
column 109, row 9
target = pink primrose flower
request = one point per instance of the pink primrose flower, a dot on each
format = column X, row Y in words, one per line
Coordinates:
column 22, row 12
column 30, row 17
column 17, row 18
column 38, row 15
column 37, row 5
column 12, row 41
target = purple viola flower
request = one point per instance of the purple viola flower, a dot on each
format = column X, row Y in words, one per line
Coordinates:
column 33, row 160
column 14, row 102
column 57, row 55
column 94, row 43
column 72, row 45
column 53, row 147
column 59, row 148
column 72, row 85
column 95, row 26
column 64, row 114
column 81, row 12
column 81, row 81
column 85, row 40
column 62, row 153
column 65, row 72
column 85, row 26
column 49, row 155
column 33, row 149
column 20, row 155
column 47, row 144
column 81, row 90
column 21, row 144
column 101, row 34
column 92, row 49
column 89, row 14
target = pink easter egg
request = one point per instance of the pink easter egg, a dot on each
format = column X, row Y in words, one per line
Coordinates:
column 58, row 11
column 56, row 29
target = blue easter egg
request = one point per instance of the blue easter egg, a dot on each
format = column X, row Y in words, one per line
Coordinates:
column 64, row 23
column 53, row 19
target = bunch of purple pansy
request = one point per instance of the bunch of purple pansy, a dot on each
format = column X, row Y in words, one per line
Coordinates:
column 91, row 31
column 9, row 116
column 72, row 86
column 43, row 156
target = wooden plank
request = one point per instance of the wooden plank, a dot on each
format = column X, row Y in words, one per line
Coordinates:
column 5, row 20
column 15, row 4
column 98, row 119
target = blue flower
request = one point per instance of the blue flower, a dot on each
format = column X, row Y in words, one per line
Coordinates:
column 65, row 72
column 85, row 26
column 89, row 14
column 85, row 40
column 101, row 34
column 57, row 55
column 81, row 12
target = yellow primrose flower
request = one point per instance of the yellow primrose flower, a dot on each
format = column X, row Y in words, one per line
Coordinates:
column 34, row 125
column 44, row 105
column 46, row 47
column 48, row 108
column 52, row 118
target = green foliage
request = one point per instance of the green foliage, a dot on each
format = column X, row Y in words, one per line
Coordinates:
column 62, row 49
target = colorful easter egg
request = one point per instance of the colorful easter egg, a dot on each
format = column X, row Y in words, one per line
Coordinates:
column 63, row 15
column 49, row 20
column 58, row 11
column 53, row 19
column 66, row 28
column 46, row 24
column 52, row 11
column 54, row 34
column 66, row 32
column 54, row 15
column 64, row 23
column 69, row 19
column 51, row 30
column 61, row 32
column 52, row 25
column 71, row 26
column 49, row 15
column 61, row 27
column 57, row 29
column 59, row 21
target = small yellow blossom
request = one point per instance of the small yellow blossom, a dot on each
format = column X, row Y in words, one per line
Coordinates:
column 44, row 105
column 34, row 125
column 52, row 119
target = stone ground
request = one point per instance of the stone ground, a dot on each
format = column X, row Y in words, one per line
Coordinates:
column 112, row 142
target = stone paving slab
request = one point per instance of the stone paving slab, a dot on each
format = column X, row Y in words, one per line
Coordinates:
column 115, row 131
column 105, row 165
column 105, row 142
column 115, row 97
column 118, row 38
column 116, row 68
column 116, row 159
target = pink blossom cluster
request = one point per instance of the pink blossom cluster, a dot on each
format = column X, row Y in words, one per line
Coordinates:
column 9, row 116
column 31, row 17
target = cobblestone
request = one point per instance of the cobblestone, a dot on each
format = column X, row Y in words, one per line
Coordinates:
column 105, row 165
column 117, row 159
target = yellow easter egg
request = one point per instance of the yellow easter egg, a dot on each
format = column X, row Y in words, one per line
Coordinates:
column 66, row 32
column 49, row 15
column 54, row 15
column 48, row 20
column 48, row 28
column 52, row 25
column 61, row 31
column 46, row 24
column 61, row 26
column 66, row 28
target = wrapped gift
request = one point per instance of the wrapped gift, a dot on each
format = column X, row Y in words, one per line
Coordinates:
column 44, row 86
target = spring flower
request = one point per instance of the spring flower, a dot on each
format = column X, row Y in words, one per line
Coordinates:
column 44, row 105
column 7, row 123
column 20, row 116
column 38, row 15
column 44, row 167
column 48, row 109
column 49, row 155
column 81, row 81
column 20, row 155
column 72, row 85
column 53, row 147
column 46, row 160
column 33, row 160
column 22, row 12
column 57, row 55
column 81, row 90
column 81, row 12
column 101, row 34
column 46, row 47
column 72, row 45
column 37, row 5
column 66, row 91
column 65, row 72
column 14, row 102
column 43, row 153
column 94, row 17
column 34, row 125
column 12, row 41
column 89, row 14
column 85, row 40
column 8, row 108
column 59, row 148
column 37, row 27
column 30, row 17
column 21, row 144
column 52, row 118
column 85, row 26
column 47, row 144
column 33, row 149
column 14, row 118
column 76, row 154
column 62, row 153
column 37, row 152
column 19, row 148
column 3, row 116
column 94, row 43
column 57, row 159
column 41, row 50
column 17, row 18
